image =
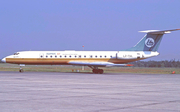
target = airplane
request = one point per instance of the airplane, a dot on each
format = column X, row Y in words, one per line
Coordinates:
column 146, row 48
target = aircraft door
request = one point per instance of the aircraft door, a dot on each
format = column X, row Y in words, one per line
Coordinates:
column 138, row 55
column 116, row 55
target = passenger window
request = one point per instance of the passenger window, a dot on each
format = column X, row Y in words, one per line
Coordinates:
column 100, row 56
column 105, row 56
column 96, row 56
column 65, row 56
column 70, row 56
column 51, row 56
column 46, row 56
column 80, row 56
column 84, row 56
column 55, row 56
column 91, row 56
column 60, row 56
column 111, row 56
column 75, row 56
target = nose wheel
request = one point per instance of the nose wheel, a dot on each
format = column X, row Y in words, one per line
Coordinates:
column 20, row 69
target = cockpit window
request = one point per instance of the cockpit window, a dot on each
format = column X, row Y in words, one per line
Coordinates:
column 16, row 53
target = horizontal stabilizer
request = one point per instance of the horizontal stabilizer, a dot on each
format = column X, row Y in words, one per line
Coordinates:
column 158, row 31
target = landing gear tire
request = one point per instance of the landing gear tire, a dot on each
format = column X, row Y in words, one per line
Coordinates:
column 101, row 71
column 97, row 71
column 21, row 70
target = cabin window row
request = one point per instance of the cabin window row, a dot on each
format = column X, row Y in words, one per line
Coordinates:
column 77, row 56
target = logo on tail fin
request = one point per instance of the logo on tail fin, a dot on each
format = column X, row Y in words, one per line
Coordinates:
column 149, row 42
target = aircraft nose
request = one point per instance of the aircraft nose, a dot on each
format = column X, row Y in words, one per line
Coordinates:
column 4, row 60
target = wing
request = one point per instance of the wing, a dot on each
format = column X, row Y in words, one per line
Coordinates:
column 98, row 64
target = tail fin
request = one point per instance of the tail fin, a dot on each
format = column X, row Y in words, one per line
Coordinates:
column 151, row 41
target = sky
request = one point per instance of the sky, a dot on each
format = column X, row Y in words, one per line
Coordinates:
column 99, row 25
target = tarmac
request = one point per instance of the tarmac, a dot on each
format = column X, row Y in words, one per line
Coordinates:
column 87, row 92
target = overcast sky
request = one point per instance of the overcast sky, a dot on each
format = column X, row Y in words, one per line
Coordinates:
column 105, row 25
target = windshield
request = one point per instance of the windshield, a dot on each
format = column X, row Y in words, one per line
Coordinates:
column 16, row 53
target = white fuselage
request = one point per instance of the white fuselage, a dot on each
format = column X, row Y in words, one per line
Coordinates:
column 65, row 57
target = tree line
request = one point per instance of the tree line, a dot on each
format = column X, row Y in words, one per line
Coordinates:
column 165, row 63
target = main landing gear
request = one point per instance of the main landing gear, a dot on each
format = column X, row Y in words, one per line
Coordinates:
column 95, row 70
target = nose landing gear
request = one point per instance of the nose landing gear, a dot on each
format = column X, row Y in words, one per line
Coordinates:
column 20, row 69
